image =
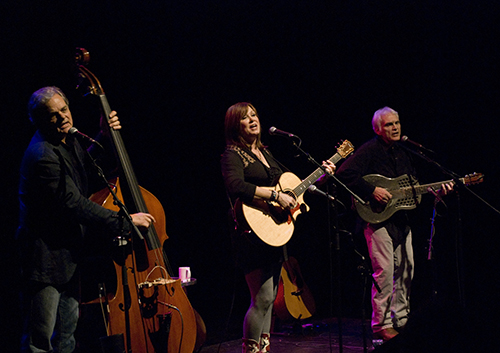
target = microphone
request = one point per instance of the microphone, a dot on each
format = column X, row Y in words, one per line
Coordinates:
column 405, row 138
column 274, row 131
column 314, row 190
column 74, row 131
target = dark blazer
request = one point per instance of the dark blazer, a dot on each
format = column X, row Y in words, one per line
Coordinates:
column 55, row 209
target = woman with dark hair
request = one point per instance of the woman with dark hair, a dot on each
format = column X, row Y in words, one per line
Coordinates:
column 248, row 168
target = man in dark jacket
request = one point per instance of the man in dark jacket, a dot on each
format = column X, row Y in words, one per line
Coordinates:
column 54, row 212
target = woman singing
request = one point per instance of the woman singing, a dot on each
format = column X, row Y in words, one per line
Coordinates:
column 247, row 168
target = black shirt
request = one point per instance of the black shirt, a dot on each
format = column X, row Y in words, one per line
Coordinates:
column 377, row 157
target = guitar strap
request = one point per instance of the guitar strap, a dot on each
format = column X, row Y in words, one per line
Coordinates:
column 285, row 253
column 412, row 183
column 233, row 212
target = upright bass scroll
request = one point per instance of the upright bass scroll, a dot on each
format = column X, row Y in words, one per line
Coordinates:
column 142, row 313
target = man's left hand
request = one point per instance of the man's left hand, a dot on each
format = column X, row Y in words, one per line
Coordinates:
column 446, row 189
column 113, row 122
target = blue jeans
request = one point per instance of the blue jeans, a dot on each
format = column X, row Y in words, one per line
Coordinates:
column 51, row 319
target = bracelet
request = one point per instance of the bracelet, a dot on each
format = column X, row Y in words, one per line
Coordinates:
column 274, row 195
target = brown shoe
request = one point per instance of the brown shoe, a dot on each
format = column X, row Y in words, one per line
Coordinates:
column 385, row 334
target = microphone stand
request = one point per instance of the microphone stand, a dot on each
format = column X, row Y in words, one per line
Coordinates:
column 337, row 240
column 431, row 238
column 337, row 181
column 122, row 241
column 365, row 269
column 459, row 248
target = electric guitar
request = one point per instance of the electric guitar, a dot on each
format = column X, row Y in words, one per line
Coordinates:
column 270, row 222
column 406, row 195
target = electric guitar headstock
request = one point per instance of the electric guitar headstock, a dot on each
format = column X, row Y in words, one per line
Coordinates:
column 472, row 179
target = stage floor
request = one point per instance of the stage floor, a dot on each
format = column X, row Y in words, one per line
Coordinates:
column 451, row 334
column 318, row 337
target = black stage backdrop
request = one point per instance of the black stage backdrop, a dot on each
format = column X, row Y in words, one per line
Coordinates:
column 318, row 69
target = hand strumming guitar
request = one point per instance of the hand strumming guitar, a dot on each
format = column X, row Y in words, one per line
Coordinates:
column 285, row 200
column 381, row 195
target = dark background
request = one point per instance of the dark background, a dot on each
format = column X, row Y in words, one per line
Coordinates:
column 318, row 69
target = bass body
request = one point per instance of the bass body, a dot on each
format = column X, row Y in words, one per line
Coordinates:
column 154, row 304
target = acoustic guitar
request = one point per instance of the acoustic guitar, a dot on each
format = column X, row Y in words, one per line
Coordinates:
column 270, row 222
column 294, row 299
column 406, row 195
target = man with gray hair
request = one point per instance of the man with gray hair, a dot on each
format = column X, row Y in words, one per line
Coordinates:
column 55, row 183
column 390, row 241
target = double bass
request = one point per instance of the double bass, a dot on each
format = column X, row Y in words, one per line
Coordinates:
column 150, row 309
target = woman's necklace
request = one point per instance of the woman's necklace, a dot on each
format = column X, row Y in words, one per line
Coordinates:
column 260, row 156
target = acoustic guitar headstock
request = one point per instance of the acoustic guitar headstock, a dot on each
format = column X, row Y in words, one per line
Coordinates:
column 345, row 149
